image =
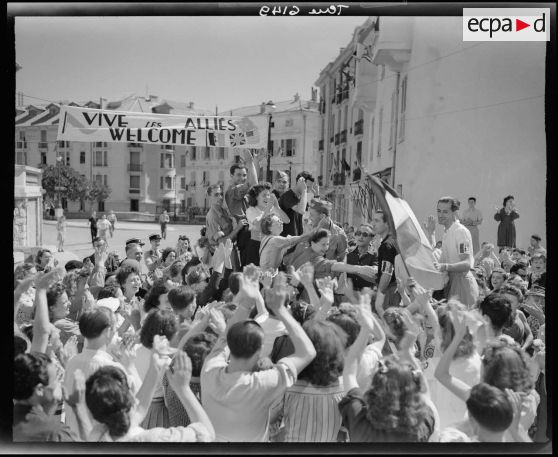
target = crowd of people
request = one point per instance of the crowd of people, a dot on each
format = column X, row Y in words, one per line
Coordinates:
column 280, row 325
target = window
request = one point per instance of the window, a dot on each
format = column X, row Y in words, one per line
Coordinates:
column 21, row 158
column 220, row 153
column 82, row 157
column 288, row 147
column 98, row 159
column 403, row 108
column 193, row 155
column 289, row 123
column 100, row 144
column 134, row 205
column 43, row 135
column 380, row 119
column 193, row 178
column 183, row 161
column 162, row 183
column 393, row 119
column 98, row 178
column 105, row 180
column 162, row 161
column 68, row 158
column 205, row 178
column 105, row 160
column 134, row 182
column 169, row 182
column 206, row 153
column 101, row 207
column 359, row 152
column 182, row 182
column 43, row 158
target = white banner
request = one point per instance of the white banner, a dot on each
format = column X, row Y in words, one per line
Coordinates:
column 85, row 124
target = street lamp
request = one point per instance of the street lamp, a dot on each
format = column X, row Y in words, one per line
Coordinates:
column 269, row 108
column 58, row 161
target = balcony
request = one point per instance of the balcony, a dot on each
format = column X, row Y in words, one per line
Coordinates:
column 321, row 145
column 339, row 179
column 134, row 191
column 337, row 137
column 43, row 145
column 359, row 127
column 21, row 144
column 135, row 167
column 343, row 136
column 332, row 139
column 393, row 43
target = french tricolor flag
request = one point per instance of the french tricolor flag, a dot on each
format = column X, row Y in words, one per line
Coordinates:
column 414, row 247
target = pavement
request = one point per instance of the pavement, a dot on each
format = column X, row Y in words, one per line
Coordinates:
column 78, row 237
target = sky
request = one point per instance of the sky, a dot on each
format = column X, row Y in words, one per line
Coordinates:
column 227, row 62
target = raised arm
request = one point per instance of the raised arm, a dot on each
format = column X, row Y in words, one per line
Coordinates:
column 250, row 168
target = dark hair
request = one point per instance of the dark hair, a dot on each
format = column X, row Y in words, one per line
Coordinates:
column 384, row 216
column 538, row 256
column 510, row 289
column 73, row 265
column 20, row 345
column 159, row 288
column 40, row 254
column 392, row 318
column 197, row 348
column 518, row 266
column 157, row 322
column 321, row 233
column 509, row 197
column 498, row 309
column 191, row 263
column 346, row 317
column 306, row 175
column 108, row 291
column 490, row 407
column 302, row 311
column 109, row 399
column 214, row 186
column 237, row 166
column 256, row 190
column 329, row 341
column 181, row 297
column 454, row 202
column 124, row 271
column 54, row 292
column 234, row 282
column 166, row 253
column 94, row 322
column 394, row 401
column 245, row 339
column 30, row 370
column 176, row 268
column 466, row 346
column 536, row 237
column 506, row 367
column 496, row 270
column 266, row 222
column 472, row 198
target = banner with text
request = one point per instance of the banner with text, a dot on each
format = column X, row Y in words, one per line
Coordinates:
column 85, row 124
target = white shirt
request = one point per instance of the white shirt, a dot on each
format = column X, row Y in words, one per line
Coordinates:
column 273, row 328
column 457, row 240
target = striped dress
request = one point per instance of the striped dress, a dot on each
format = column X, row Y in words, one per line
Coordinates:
column 311, row 413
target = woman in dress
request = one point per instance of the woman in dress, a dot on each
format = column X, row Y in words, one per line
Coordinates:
column 112, row 219
column 61, row 229
column 506, row 216
column 184, row 248
column 261, row 202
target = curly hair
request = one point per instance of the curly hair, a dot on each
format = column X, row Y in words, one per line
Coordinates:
column 394, row 401
column 346, row 317
column 159, row 288
column 467, row 346
column 30, row 370
column 505, row 366
column 255, row 191
column 124, row 271
column 109, row 399
column 392, row 317
column 329, row 341
column 496, row 270
column 54, row 292
column 197, row 348
column 320, row 234
column 498, row 308
column 157, row 322
column 166, row 253
column 22, row 271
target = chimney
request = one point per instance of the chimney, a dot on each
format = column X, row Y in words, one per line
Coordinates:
column 262, row 108
column 190, row 105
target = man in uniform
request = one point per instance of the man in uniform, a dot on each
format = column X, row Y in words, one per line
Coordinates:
column 152, row 257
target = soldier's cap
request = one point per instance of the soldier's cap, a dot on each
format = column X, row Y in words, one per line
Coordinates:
column 134, row 240
column 155, row 236
column 321, row 205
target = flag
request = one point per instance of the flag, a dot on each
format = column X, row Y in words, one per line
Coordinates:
column 414, row 247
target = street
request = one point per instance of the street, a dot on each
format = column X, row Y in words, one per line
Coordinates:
column 78, row 237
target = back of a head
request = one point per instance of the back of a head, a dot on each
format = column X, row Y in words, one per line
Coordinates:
column 159, row 287
column 329, row 341
column 466, row 346
column 108, row 291
column 346, row 317
column 109, row 399
column 157, row 322
column 73, row 265
column 30, row 370
column 505, row 366
column 490, row 407
column 94, row 322
column 181, row 297
column 234, row 282
column 498, row 308
column 197, row 348
column 21, row 344
column 245, row 339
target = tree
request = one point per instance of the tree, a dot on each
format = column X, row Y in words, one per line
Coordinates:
column 98, row 192
column 75, row 185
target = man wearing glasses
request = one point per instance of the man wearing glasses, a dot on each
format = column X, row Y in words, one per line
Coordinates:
column 361, row 256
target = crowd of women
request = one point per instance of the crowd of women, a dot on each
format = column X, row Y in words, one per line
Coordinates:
column 267, row 329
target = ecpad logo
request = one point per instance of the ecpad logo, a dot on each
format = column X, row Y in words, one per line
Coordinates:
column 506, row 24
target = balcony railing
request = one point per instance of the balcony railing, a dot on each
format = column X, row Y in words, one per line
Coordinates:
column 135, row 145
column 134, row 191
column 337, row 137
column 21, row 144
column 359, row 127
column 343, row 136
column 135, row 167
column 321, row 145
column 339, row 179
column 43, row 145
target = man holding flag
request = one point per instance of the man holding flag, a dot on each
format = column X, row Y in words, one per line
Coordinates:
column 457, row 254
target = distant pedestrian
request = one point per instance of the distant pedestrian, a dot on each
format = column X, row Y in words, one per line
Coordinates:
column 472, row 218
column 61, row 229
column 103, row 226
column 93, row 225
column 164, row 219
column 506, row 216
column 112, row 219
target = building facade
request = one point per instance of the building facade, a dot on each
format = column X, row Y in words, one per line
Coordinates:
column 408, row 101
